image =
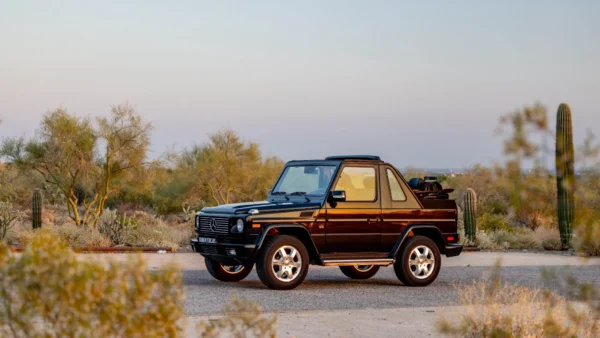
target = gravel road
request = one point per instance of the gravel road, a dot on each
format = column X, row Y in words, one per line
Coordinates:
column 328, row 289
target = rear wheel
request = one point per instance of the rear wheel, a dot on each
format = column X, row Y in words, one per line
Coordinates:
column 227, row 273
column 360, row 271
column 419, row 262
column 282, row 263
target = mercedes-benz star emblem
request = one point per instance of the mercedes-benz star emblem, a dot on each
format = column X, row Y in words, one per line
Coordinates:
column 213, row 224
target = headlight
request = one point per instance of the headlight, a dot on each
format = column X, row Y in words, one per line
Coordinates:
column 239, row 226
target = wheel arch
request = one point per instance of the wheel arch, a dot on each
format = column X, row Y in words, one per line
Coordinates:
column 425, row 230
column 296, row 230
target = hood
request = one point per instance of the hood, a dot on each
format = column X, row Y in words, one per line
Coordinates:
column 262, row 207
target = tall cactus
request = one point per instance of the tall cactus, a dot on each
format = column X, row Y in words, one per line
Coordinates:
column 565, row 173
column 470, row 214
column 36, row 208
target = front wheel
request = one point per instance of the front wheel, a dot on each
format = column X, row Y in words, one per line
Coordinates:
column 227, row 273
column 282, row 263
column 419, row 262
column 360, row 271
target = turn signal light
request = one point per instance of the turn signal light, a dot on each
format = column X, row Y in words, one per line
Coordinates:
column 255, row 226
column 450, row 238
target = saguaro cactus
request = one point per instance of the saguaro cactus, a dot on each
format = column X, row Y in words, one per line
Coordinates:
column 36, row 208
column 565, row 173
column 470, row 214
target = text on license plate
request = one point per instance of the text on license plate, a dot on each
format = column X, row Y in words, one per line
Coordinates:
column 207, row 240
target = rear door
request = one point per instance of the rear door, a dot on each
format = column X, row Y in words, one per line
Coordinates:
column 354, row 225
column 400, row 207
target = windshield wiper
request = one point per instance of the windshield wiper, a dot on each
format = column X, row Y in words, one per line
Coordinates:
column 300, row 193
column 282, row 193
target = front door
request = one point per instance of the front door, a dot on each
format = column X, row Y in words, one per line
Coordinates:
column 354, row 225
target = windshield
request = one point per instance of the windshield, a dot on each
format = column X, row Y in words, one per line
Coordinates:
column 304, row 180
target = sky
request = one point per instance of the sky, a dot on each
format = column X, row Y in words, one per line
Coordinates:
column 421, row 84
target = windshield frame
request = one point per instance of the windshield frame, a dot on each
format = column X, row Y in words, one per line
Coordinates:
column 335, row 164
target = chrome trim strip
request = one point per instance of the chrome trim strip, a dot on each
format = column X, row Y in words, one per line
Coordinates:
column 418, row 219
column 295, row 220
column 374, row 219
column 351, row 262
column 354, row 234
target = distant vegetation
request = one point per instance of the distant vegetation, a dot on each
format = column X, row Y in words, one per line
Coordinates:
column 98, row 187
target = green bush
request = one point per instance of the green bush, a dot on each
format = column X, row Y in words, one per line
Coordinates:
column 47, row 292
column 493, row 222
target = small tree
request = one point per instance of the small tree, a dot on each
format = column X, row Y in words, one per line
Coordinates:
column 63, row 153
column 230, row 169
column 127, row 140
column 8, row 217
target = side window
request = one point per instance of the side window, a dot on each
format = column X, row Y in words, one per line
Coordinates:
column 395, row 189
column 358, row 183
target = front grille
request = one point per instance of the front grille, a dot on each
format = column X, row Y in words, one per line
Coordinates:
column 214, row 225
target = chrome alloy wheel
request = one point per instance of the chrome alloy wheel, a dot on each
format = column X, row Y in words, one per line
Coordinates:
column 421, row 262
column 363, row 268
column 286, row 263
column 232, row 269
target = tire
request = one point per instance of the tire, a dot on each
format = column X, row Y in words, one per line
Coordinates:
column 418, row 271
column 360, row 271
column 227, row 273
column 293, row 265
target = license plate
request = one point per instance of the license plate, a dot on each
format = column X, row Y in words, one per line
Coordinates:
column 207, row 240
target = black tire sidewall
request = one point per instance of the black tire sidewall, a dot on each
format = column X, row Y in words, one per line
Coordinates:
column 215, row 269
column 263, row 264
column 402, row 269
column 354, row 273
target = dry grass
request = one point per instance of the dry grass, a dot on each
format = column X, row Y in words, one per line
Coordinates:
column 516, row 311
column 140, row 229
column 517, row 239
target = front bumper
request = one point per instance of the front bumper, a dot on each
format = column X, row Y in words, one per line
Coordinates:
column 453, row 250
column 225, row 253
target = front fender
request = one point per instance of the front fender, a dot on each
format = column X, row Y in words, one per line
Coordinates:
column 297, row 230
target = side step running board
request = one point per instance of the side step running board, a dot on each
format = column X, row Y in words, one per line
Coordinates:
column 351, row 262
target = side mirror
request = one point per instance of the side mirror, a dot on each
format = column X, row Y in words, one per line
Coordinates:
column 338, row 195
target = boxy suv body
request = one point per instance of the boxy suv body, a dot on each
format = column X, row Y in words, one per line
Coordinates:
column 355, row 212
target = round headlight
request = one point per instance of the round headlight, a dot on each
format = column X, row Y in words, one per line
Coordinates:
column 239, row 226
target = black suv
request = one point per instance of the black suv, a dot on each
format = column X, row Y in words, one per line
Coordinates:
column 355, row 212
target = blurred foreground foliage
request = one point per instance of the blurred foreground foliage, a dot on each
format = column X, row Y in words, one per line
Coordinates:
column 495, row 309
column 242, row 318
column 48, row 292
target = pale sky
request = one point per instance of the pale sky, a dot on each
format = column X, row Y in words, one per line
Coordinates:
column 418, row 83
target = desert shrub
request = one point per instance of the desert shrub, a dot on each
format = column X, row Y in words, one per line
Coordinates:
column 69, row 233
column 47, row 292
column 493, row 222
column 8, row 217
column 517, row 239
column 587, row 232
column 242, row 319
column 153, row 236
column 114, row 227
column 549, row 238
